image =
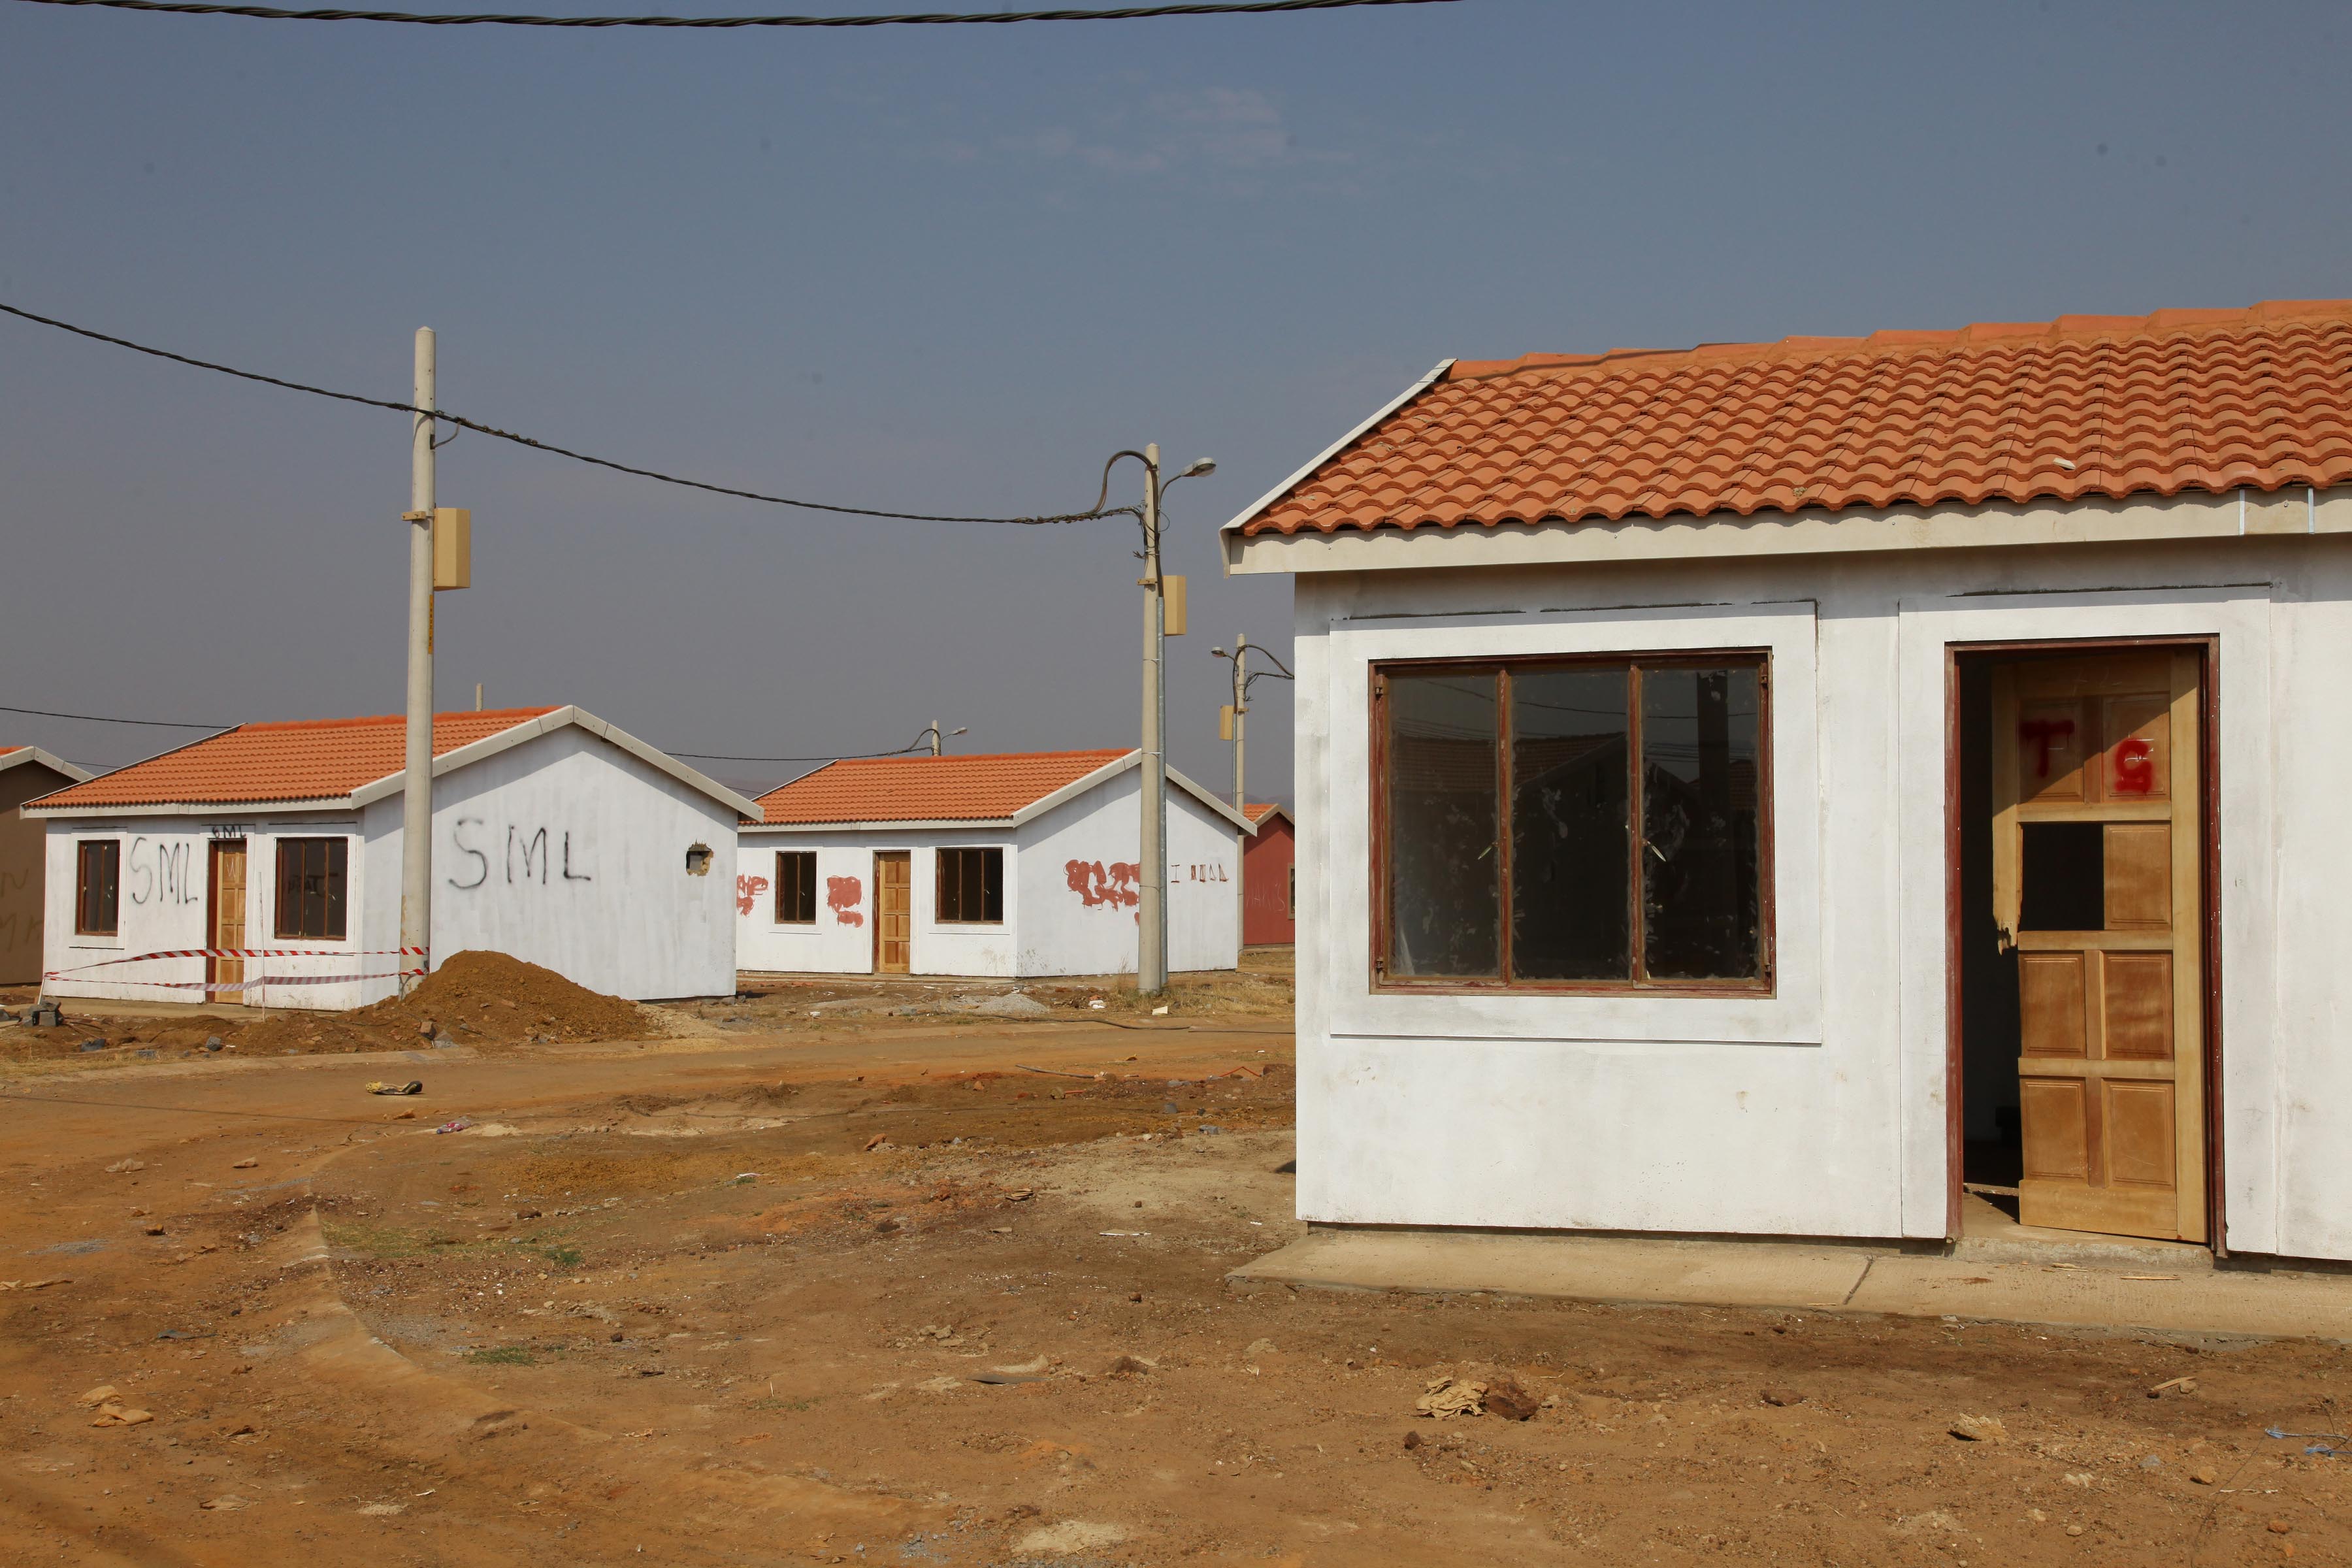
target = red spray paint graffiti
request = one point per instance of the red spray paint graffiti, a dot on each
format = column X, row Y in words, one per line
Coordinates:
column 2045, row 731
column 844, row 896
column 2135, row 766
column 1116, row 888
column 747, row 893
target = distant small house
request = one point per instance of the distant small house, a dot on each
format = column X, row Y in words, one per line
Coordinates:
column 263, row 864
column 1008, row 865
column 25, row 771
column 1269, row 877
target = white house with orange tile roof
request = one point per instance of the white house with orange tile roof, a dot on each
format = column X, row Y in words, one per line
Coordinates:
column 1869, row 788
column 262, row 864
column 1010, row 866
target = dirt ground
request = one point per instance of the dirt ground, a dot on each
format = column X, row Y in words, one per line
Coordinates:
column 489, row 1001
column 890, row 1291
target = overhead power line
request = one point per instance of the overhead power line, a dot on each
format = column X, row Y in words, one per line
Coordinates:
column 539, row 446
column 916, row 746
column 919, row 742
column 96, row 718
column 901, row 19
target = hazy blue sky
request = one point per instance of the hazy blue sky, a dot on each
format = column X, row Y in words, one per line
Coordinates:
column 954, row 270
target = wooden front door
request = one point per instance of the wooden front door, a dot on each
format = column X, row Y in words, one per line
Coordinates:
column 2097, row 860
column 893, row 916
column 225, row 916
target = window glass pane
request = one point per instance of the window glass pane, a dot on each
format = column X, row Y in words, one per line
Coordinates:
column 991, row 872
column 290, row 889
column 338, row 867
column 99, row 874
column 1699, row 824
column 1570, row 914
column 314, row 887
column 1445, row 907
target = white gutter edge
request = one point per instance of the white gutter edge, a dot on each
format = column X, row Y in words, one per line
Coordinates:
column 1020, row 819
column 55, row 763
column 1110, row 770
column 1230, row 532
column 206, row 808
column 930, row 825
column 549, row 723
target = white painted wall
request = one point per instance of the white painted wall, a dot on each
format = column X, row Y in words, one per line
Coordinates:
column 841, row 940
column 1082, row 924
column 165, row 866
column 1061, row 917
column 1820, row 1111
column 603, row 899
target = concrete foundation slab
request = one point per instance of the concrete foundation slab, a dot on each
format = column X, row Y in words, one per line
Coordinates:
column 2134, row 1294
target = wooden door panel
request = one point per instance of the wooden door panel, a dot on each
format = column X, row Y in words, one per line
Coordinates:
column 2139, row 876
column 2135, row 1005
column 892, row 914
column 2057, row 1117
column 225, row 915
column 2050, row 751
column 2111, row 1042
column 2137, row 1121
column 2139, row 757
column 2050, row 995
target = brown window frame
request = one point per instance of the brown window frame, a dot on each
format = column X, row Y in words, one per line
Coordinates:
column 107, row 905
column 334, row 904
column 802, row 892
column 991, row 855
column 1637, row 984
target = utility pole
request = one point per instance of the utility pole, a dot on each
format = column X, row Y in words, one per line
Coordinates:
column 936, row 742
column 416, row 782
column 1151, row 912
column 1241, row 724
column 1151, row 952
column 1240, row 795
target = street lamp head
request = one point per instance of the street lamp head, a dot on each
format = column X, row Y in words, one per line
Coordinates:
column 1200, row 466
column 960, row 730
column 1218, row 651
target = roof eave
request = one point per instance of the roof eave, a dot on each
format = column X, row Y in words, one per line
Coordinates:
column 548, row 723
column 934, row 824
column 1229, row 535
column 55, row 763
column 35, row 810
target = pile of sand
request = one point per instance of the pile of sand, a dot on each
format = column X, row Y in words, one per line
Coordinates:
column 475, row 999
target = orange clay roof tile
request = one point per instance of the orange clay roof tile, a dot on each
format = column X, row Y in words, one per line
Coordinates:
column 2084, row 406
column 310, row 759
column 929, row 789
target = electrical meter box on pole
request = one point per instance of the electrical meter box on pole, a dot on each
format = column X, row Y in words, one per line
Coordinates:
column 453, row 547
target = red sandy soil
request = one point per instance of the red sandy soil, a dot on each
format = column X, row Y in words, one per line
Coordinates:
column 731, row 1302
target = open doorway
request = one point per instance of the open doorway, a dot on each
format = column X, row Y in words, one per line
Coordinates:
column 2081, row 924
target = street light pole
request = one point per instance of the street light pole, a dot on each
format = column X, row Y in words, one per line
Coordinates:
column 1151, row 898
column 1151, row 952
column 416, row 782
column 1241, row 725
column 1241, row 792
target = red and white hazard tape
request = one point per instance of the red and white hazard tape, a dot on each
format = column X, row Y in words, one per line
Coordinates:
column 216, row 985
column 241, row 952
